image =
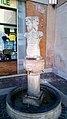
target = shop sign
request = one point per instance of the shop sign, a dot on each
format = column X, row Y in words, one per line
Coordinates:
column 5, row 2
column 8, row 3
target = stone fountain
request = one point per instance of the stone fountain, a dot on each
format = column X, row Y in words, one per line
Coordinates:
column 35, row 101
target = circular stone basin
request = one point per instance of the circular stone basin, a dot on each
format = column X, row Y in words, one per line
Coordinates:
column 33, row 64
column 50, row 108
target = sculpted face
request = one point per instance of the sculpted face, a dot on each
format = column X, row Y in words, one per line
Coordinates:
column 32, row 23
column 29, row 23
column 35, row 23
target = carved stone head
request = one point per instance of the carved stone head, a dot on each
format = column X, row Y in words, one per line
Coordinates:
column 32, row 23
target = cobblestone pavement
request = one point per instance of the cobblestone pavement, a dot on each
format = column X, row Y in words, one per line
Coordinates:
column 52, row 78
column 56, row 81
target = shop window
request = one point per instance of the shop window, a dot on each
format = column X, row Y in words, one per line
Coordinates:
column 8, row 35
column 7, row 16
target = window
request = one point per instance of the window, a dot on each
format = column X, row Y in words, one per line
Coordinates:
column 8, row 35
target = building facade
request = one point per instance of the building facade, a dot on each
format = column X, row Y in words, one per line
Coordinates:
column 12, row 29
column 12, row 41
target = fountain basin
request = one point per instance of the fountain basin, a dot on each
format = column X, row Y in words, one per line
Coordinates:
column 34, row 64
column 49, row 109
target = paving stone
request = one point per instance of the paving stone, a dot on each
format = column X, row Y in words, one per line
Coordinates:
column 12, row 81
column 57, row 81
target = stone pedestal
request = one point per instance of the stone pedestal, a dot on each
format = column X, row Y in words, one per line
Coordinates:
column 34, row 84
column 34, row 66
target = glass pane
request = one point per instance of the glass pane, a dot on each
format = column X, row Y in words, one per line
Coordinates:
column 8, row 42
column 7, row 16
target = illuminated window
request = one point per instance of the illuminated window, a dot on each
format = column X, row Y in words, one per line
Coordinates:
column 52, row 1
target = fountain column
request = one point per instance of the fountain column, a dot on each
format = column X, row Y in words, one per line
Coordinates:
column 34, row 84
column 33, row 62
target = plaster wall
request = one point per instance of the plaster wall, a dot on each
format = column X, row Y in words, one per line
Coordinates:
column 60, row 49
column 51, row 17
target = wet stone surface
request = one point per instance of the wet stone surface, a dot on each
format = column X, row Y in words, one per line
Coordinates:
column 4, row 115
